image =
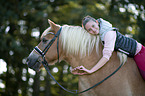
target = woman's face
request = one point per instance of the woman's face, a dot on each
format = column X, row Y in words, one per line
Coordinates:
column 92, row 27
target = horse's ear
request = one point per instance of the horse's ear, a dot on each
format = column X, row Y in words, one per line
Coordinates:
column 53, row 26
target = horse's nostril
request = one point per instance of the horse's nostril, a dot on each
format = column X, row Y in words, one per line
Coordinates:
column 27, row 59
column 39, row 60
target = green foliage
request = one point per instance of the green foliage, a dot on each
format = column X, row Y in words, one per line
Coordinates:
column 19, row 18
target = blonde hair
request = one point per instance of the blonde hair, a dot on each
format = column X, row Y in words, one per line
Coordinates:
column 76, row 40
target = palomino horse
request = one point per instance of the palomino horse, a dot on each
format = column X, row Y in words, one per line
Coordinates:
column 77, row 47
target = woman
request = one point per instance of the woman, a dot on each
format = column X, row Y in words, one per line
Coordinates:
column 112, row 40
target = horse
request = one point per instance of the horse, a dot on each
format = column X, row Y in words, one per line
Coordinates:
column 78, row 47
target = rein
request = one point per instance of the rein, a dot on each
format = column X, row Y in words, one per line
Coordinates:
column 45, row 64
column 76, row 91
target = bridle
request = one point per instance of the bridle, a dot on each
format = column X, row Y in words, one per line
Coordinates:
column 45, row 64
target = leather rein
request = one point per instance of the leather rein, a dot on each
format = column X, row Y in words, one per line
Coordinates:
column 45, row 64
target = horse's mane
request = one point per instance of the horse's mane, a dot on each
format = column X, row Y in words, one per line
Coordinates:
column 78, row 41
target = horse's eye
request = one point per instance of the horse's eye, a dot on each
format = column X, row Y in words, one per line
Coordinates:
column 44, row 40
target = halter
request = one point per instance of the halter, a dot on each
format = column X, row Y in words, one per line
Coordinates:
column 45, row 64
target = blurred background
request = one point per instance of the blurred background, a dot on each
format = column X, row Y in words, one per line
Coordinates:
column 22, row 23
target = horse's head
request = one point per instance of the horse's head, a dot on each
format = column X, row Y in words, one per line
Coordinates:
column 74, row 41
column 42, row 51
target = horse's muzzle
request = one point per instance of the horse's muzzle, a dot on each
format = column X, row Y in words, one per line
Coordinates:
column 33, row 61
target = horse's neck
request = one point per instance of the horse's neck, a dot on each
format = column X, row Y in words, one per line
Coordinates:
column 87, row 61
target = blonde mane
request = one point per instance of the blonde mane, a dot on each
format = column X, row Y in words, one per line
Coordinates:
column 77, row 41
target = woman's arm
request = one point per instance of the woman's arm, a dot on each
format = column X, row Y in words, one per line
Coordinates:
column 109, row 40
column 100, row 64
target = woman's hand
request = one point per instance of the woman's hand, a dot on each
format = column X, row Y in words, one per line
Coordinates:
column 80, row 70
